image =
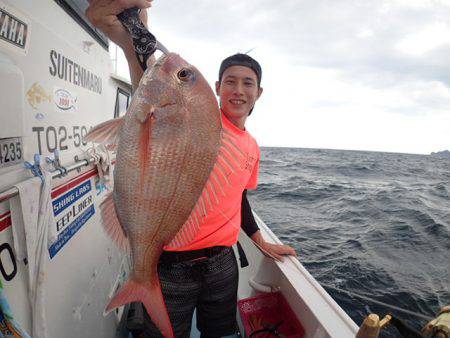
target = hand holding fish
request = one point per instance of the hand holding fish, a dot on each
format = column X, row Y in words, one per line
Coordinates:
column 103, row 15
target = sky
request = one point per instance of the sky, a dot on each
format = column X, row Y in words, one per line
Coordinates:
column 355, row 75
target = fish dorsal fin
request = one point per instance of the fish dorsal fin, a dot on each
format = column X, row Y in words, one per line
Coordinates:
column 112, row 225
column 106, row 133
column 228, row 161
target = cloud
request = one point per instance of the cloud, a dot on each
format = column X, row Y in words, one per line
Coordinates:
column 360, row 37
column 355, row 63
column 427, row 39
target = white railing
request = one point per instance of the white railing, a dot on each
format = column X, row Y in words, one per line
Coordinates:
column 60, row 171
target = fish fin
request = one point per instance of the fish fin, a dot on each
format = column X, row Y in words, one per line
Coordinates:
column 205, row 204
column 149, row 293
column 216, row 183
column 228, row 161
column 111, row 146
column 187, row 232
column 228, row 141
column 207, row 201
column 111, row 223
column 106, row 132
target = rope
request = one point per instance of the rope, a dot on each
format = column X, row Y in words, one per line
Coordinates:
column 389, row 306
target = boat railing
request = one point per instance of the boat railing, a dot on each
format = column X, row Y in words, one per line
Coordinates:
column 58, row 172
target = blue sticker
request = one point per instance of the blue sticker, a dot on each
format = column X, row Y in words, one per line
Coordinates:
column 70, row 197
column 74, row 208
column 68, row 233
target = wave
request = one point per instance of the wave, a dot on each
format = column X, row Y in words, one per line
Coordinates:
column 370, row 222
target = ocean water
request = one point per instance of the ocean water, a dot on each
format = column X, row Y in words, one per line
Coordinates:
column 373, row 223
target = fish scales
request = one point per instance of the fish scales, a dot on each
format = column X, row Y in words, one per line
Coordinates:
column 168, row 144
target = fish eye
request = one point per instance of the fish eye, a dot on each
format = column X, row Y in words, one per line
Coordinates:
column 185, row 74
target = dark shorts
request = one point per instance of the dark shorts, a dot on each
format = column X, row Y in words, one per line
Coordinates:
column 208, row 285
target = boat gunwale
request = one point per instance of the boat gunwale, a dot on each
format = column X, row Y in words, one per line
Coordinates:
column 328, row 304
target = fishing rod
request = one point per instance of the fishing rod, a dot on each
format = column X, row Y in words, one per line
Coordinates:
column 389, row 306
column 436, row 327
column 404, row 329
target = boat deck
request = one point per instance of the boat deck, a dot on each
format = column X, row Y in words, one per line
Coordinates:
column 318, row 313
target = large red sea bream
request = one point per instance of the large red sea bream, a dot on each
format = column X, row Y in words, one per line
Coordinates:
column 171, row 154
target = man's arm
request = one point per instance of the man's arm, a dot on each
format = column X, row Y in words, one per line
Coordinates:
column 103, row 15
column 251, row 228
column 248, row 223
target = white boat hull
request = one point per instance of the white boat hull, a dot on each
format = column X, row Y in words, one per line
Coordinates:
column 55, row 84
column 318, row 313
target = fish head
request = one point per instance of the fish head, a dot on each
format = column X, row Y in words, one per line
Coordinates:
column 173, row 87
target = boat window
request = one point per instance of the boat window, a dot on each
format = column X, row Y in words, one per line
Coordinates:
column 76, row 9
column 122, row 100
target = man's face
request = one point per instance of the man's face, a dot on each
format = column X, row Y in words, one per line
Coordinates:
column 238, row 91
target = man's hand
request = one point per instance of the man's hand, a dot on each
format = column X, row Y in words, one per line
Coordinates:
column 275, row 250
column 103, row 15
column 278, row 250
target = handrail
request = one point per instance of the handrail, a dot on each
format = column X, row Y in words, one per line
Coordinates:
column 61, row 171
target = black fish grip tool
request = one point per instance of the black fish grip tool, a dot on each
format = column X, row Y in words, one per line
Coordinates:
column 144, row 42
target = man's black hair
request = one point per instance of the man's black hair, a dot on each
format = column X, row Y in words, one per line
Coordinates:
column 241, row 60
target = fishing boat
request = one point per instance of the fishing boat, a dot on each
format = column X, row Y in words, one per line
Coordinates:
column 317, row 312
column 57, row 81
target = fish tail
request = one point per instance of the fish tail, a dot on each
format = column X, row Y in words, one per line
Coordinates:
column 151, row 296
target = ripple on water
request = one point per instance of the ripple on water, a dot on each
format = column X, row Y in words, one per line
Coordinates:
column 373, row 223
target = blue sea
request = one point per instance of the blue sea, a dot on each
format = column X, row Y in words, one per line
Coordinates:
column 373, row 223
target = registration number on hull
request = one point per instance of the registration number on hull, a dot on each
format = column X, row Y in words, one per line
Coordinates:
column 11, row 151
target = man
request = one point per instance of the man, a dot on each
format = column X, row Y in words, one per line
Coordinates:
column 203, row 275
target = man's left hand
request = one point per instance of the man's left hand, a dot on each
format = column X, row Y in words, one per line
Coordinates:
column 276, row 251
